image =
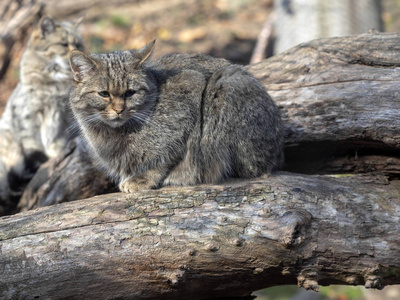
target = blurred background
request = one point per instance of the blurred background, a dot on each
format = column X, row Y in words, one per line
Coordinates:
column 243, row 31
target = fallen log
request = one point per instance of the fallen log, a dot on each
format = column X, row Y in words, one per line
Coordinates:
column 206, row 241
column 339, row 99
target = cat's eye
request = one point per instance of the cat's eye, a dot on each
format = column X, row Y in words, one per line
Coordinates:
column 129, row 93
column 104, row 94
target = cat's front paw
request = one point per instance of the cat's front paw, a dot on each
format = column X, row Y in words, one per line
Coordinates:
column 134, row 184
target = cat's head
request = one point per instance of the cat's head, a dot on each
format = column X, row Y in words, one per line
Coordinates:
column 113, row 88
column 46, row 57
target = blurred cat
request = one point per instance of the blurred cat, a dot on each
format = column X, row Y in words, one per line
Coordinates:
column 180, row 120
column 37, row 114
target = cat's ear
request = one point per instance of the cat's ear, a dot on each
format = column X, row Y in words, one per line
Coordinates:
column 145, row 52
column 81, row 64
column 46, row 26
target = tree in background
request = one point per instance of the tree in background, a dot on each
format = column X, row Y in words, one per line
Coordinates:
column 299, row 21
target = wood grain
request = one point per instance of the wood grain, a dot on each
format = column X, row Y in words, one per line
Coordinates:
column 339, row 98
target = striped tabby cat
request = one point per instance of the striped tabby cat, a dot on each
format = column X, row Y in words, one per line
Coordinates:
column 179, row 120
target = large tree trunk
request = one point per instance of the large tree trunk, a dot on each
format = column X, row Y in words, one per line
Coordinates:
column 299, row 21
column 339, row 100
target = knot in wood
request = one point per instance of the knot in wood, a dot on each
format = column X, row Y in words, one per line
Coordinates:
column 238, row 242
column 192, row 252
column 173, row 280
column 223, row 219
column 307, row 284
column 211, row 247
column 286, row 271
column 294, row 223
column 175, row 277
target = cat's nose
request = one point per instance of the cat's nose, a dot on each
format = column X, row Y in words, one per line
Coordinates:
column 119, row 110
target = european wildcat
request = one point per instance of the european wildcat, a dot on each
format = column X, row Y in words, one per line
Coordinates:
column 180, row 120
column 36, row 115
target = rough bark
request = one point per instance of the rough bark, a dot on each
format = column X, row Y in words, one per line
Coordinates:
column 339, row 99
column 206, row 241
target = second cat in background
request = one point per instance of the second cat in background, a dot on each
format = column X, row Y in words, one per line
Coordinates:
column 32, row 127
column 179, row 120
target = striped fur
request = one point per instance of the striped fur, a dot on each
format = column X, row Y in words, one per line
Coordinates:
column 179, row 120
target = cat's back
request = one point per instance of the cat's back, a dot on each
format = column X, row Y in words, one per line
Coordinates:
column 240, row 129
column 202, row 63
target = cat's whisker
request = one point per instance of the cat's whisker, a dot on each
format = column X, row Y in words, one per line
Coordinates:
column 139, row 119
column 144, row 118
column 72, row 130
column 91, row 119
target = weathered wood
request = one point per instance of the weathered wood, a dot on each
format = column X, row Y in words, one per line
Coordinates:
column 206, row 241
column 70, row 176
column 340, row 99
